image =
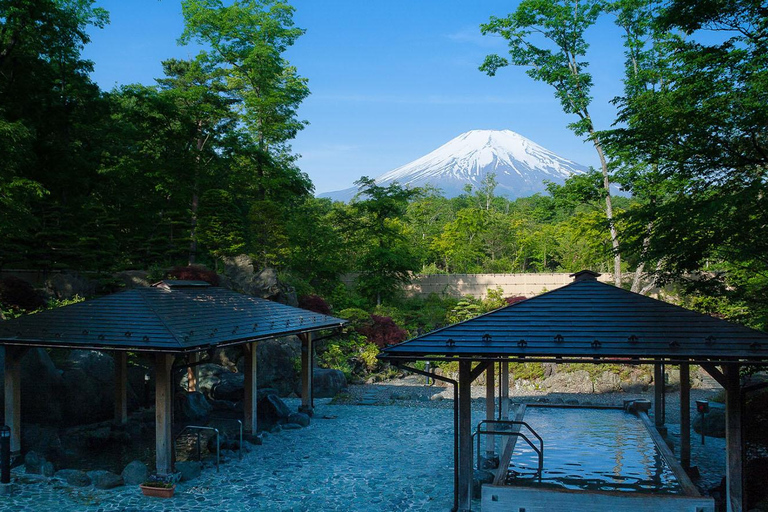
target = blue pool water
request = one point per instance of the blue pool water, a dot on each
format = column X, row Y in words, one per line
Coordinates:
column 590, row 449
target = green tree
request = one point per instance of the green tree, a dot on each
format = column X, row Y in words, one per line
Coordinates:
column 548, row 37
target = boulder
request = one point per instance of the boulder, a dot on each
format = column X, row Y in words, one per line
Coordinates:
column 299, row 418
column 549, row 369
column 102, row 479
column 239, row 273
column 271, row 411
column 192, row 406
column 42, row 439
column 96, row 438
column 133, row 278
column 66, row 285
column 48, row 469
column 135, row 473
column 572, row 382
column 189, row 470
column 33, row 463
column 607, row 382
column 74, row 477
column 40, row 378
column 327, row 382
column 714, row 422
column 218, row 383
column 276, row 364
column 89, row 387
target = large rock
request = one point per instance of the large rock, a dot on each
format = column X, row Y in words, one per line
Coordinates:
column 42, row 439
column 327, row 382
column 133, row 278
column 89, row 387
column 192, row 406
column 714, row 422
column 188, row 470
column 276, row 364
column 105, row 479
column 571, row 382
column 240, row 273
column 607, row 382
column 74, row 477
column 40, row 378
column 66, row 285
column 135, row 473
column 271, row 411
column 34, row 463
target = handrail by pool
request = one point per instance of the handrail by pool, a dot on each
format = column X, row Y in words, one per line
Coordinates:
column 199, row 428
column 510, row 423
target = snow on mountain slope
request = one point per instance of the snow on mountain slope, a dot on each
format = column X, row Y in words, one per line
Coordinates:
column 521, row 166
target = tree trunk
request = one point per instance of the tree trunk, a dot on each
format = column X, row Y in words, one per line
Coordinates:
column 609, row 211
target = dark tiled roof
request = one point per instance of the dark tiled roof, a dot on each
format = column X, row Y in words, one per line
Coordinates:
column 588, row 319
column 174, row 316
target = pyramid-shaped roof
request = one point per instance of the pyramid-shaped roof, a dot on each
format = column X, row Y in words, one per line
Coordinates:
column 173, row 316
column 585, row 320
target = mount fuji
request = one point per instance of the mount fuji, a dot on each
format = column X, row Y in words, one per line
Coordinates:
column 521, row 166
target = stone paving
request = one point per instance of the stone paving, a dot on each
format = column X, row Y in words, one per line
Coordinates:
column 378, row 458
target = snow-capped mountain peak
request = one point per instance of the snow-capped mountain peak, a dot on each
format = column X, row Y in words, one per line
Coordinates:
column 521, row 166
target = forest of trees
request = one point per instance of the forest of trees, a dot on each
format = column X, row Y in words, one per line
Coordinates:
column 199, row 166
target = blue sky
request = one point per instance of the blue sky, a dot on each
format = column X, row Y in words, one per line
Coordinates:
column 390, row 81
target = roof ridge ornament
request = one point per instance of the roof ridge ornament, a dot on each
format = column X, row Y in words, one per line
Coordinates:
column 585, row 275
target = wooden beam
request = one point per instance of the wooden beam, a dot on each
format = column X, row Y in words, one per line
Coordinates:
column 734, row 470
column 163, row 409
column 508, row 448
column 478, row 370
column 504, row 391
column 193, row 371
column 658, row 395
column 121, row 387
column 250, row 400
column 490, row 407
column 465, row 436
column 307, row 374
column 12, row 383
column 685, row 415
column 715, row 373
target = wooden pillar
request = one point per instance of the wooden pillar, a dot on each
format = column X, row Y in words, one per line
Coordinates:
column 307, row 375
column 504, row 391
column 121, row 387
column 251, row 389
column 13, row 357
column 465, row 436
column 734, row 470
column 163, row 410
column 685, row 415
column 193, row 372
column 658, row 395
column 490, row 407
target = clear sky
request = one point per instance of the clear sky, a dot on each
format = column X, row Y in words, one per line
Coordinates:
column 390, row 81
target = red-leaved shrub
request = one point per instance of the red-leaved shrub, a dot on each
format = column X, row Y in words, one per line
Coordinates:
column 315, row 303
column 195, row 273
column 19, row 294
column 383, row 331
column 514, row 300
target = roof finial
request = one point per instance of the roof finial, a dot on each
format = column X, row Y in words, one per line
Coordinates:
column 585, row 275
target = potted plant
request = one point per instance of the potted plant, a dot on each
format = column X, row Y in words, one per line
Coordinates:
column 158, row 487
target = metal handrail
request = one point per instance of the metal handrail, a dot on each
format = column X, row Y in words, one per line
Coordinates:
column 198, row 428
column 240, row 426
column 508, row 423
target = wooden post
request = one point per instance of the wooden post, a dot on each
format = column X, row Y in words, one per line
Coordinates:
column 734, row 470
column 465, row 436
column 163, row 410
column 490, row 407
column 307, row 374
column 13, row 357
column 658, row 395
column 193, row 372
column 685, row 415
column 504, row 391
column 251, row 389
column 121, row 387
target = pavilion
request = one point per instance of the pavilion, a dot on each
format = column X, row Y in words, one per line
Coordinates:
column 592, row 322
column 175, row 321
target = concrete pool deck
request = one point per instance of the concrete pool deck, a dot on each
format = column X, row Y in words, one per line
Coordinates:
column 393, row 456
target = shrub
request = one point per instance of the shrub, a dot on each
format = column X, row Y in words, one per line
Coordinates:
column 383, row 331
column 358, row 318
column 19, row 294
column 315, row 303
column 194, row 273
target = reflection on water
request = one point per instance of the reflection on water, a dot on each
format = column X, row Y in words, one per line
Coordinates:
column 591, row 449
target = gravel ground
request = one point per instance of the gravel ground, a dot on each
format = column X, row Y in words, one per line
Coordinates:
column 393, row 455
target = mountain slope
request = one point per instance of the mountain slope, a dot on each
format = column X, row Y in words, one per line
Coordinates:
column 521, row 166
